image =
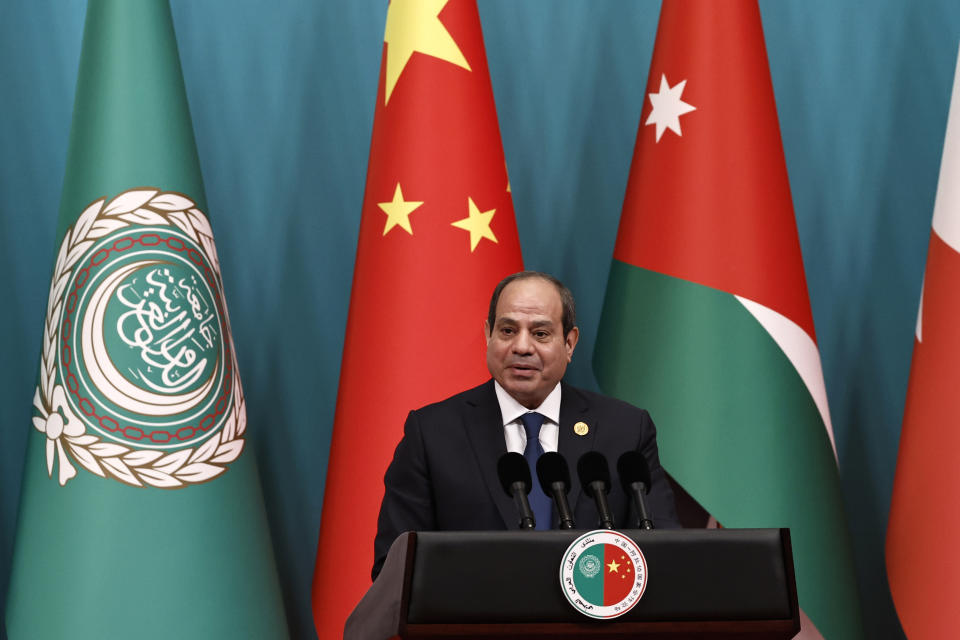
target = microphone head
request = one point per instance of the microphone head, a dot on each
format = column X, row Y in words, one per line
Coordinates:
column 552, row 467
column 512, row 467
column 592, row 467
column 632, row 467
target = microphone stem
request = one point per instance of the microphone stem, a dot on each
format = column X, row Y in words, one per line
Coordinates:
column 527, row 521
column 563, row 507
column 637, row 490
column 600, row 495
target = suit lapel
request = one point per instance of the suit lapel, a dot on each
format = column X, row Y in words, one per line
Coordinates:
column 485, row 430
column 574, row 408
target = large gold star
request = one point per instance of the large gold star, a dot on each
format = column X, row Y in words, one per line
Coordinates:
column 477, row 223
column 398, row 212
column 613, row 566
column 414, row 25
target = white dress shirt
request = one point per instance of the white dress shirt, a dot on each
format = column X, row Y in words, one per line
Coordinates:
column 513, row 431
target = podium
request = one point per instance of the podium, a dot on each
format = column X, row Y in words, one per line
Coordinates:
column 702, row 583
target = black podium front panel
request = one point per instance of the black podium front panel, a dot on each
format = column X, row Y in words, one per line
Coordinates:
column 513, row 577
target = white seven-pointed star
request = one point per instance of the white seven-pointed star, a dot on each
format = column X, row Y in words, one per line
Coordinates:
column 668, row 107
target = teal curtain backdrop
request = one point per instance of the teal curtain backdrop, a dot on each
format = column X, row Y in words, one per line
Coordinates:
column 282, row 99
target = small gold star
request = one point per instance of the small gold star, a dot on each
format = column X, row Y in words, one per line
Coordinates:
column 613, row 566
column 477, row 223
column 398, row 212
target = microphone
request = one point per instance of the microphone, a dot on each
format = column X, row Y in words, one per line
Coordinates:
column 554, row 476
column 514, row 473
column 595, row 477
column 635, row 478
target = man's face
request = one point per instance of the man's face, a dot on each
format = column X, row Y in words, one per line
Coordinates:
column 527, row 352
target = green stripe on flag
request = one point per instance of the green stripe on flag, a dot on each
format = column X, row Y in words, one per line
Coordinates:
column 736, row 425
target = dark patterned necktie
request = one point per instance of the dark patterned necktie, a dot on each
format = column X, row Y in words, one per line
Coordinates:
column 539, row 502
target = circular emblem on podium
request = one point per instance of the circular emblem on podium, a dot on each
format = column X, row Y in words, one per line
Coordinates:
column 603, row 574
column 138, row 375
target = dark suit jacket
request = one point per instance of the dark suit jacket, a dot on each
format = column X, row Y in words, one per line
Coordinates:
column 444, row 471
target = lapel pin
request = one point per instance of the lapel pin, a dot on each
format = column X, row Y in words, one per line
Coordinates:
column 581, row 428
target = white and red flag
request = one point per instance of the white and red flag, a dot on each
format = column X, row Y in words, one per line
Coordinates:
column 923, row 558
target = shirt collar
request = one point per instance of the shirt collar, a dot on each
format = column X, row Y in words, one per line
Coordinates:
column 511, row 410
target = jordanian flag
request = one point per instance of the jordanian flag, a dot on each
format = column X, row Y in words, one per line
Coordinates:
column 706, row 321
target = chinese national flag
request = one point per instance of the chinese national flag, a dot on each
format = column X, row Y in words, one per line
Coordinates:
column 436, row 235
column 617, row 575
column 923, row 560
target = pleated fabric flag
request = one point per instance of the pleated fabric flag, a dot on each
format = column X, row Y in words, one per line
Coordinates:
column 706, row 321
column 141, row 514
column 923, row 563
column 436, row 234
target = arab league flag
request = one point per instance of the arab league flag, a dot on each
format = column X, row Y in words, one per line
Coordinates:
column 140, row 513
column 706, row 321
column 923, row 560
column 437, row 233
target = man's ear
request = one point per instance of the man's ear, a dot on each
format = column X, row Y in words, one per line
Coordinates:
column 571, row 341
column 486, row 330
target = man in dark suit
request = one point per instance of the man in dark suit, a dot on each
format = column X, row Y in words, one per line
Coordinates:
column 444, row 471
